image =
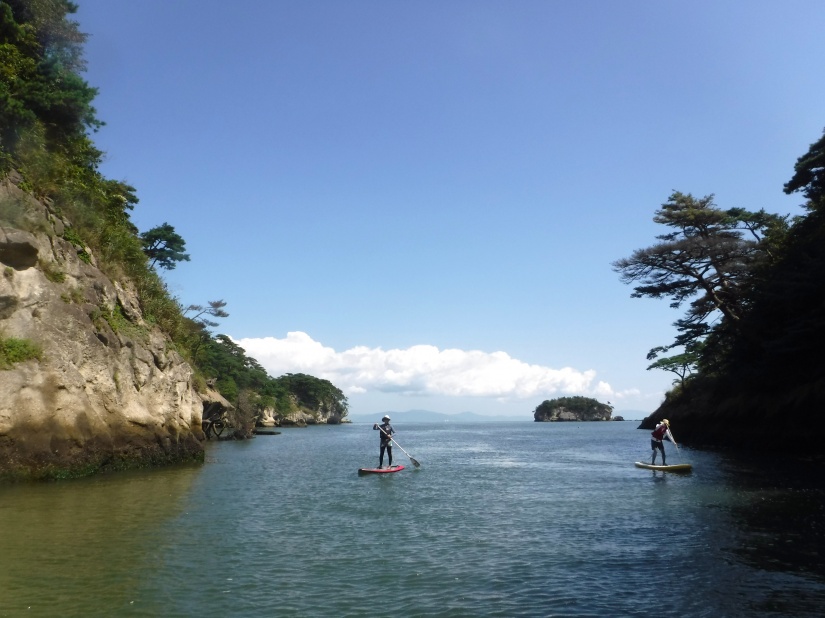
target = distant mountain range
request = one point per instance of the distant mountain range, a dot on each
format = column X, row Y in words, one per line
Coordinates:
column 427, row 416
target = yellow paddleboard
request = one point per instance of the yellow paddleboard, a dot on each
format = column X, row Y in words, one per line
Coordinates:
column 673, row 468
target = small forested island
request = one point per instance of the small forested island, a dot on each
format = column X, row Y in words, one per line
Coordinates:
column 101, row 368
column 572, row 409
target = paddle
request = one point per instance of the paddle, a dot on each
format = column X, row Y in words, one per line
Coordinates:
column 412, row 459
column 672, row 439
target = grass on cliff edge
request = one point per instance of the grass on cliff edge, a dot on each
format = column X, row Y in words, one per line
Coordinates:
column 13, row 350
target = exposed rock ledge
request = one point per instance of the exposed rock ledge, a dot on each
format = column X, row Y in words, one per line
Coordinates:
column 302, row 418
column 98, row 399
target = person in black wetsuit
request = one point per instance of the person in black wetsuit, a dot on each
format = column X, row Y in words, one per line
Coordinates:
column 386, row 444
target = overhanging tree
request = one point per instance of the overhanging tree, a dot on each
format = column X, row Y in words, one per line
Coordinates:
column 683, row 365
column 809, row 175
column 201, row 325
column 710, row 259
column 164, row 246
column 215, row 310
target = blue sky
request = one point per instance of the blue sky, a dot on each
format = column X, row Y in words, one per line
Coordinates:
column 420, row 201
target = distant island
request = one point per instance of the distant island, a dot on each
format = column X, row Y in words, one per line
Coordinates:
column 428, row 416
column 572, row 409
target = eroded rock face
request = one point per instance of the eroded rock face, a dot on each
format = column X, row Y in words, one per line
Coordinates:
column 18, row 250
column 99, row 398
column 299, row 417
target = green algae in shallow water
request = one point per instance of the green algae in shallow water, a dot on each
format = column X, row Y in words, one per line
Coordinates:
column 101, row 465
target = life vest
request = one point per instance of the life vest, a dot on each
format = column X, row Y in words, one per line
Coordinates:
column 659, row 432
column 386, row 431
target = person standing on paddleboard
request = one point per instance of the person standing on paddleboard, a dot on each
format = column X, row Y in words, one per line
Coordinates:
column 386, row 444
column 662, row 432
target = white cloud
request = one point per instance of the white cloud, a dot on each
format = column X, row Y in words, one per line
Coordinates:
column 421, row 370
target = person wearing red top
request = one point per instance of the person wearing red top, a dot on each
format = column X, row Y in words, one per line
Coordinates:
column 662, row 432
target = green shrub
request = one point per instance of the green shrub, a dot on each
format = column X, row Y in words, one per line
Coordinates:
column 72, row 236
column 13, row 350
column 118, row 322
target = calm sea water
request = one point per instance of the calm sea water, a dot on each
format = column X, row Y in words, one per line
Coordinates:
column 501, row 519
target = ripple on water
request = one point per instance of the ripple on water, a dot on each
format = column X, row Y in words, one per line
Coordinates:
column 513, row 519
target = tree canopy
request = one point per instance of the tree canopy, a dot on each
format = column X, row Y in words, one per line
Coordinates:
column 710, row 258
column 164, row 246
column 784, row 329
column 809, row 175
column 41, row 91
column 235, row 372
column 757, row 363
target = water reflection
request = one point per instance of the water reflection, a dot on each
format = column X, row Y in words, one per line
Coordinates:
column 783, row 516
column 502, row 520
column 88, row 534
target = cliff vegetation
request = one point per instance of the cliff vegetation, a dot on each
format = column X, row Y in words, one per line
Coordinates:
column 747, row 356
column 101, row 366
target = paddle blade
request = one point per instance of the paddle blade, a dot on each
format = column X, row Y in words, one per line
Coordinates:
column 415, row 462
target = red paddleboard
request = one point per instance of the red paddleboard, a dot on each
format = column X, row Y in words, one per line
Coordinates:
column 380, row 470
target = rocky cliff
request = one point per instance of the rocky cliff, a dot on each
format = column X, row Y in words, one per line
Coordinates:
column 719, row 413
column 108, row 391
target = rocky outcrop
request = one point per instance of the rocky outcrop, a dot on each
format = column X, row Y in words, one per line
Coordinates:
column 267, row 419
column 572, row 409
column 719, row 413
column 109, row 391
column 303, row 417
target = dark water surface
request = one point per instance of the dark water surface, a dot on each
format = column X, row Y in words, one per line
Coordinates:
column 502, row 519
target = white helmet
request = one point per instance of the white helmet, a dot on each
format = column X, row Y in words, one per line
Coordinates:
column 386, row 417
